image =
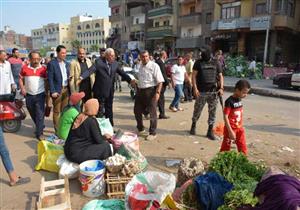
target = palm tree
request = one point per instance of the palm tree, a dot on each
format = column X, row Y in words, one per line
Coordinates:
column 75, row 44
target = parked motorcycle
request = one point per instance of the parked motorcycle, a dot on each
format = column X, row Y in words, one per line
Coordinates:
column 11, row 113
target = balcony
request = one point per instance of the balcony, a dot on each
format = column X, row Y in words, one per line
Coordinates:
column 132, row 3
column 189, row 42
column 281, row 21
column 115, row 18
column 162, row 11
column 159, row 32
column 137, row 10
column 189, row 20
column 186, row 1
column 137, row 27
column 229, row 24
column 113, row 3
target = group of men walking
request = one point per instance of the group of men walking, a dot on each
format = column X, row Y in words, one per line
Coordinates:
column 97, row 79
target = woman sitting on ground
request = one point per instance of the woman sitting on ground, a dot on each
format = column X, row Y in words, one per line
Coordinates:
column 85, row 141
column 69, row 114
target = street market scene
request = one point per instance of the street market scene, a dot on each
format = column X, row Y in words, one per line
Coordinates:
column 150, row 105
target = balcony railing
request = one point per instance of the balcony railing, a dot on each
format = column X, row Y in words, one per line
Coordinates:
column 191, row 19
column 165, row 10
column 115, row 17
column 137, row 27
column 189, row 42
column 113, row 3
column 159, row 32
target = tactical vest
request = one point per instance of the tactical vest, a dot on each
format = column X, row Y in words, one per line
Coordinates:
column 208, row 73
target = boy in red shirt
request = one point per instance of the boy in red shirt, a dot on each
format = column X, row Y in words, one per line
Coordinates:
column 233, row 117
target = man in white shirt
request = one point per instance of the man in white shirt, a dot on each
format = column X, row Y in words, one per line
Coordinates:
column 179, row 75
column 7, row 83
column 252, row 67
column 150, row 81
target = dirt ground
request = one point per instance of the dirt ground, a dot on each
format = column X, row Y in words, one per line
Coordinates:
column 272, row 132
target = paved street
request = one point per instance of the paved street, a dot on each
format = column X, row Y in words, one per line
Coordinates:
column 271, row 124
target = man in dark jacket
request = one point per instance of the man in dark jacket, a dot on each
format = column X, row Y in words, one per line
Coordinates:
column 58, row 78
column 103, row 89
column 161, row 102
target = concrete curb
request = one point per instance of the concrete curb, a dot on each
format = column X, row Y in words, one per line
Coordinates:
column 266, row 92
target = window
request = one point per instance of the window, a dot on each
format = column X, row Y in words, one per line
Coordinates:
column 190, row 32
column 231, row 10
column 207, row 40
column 97, row 25
column 33, row 33
column 57, row 28
column 156, row 24
column 261, row 8
column 117, row 11
column 103, row 33
column 137, row 21
column 286, row 7
column 96, row 41
column 208, row 18
column 78, row 28
column 87, row 26
column 166, row 23
column 192, row 9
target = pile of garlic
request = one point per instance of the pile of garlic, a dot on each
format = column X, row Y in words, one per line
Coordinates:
column 115, row 160
column 130, row 168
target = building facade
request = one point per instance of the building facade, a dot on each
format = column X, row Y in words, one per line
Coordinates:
column 90, row 32
column 162, row 26
column 51, row 35
column 128, row 24
column 239, row 27
column 194, row 20
column 87, row 30
column 10, row 39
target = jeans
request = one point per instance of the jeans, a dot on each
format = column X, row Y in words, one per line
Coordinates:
column 36, row 107
column 5, row 154
column 178, row 94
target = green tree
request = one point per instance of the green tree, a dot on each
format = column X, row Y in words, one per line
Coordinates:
column 44, row 50
column 94, row 48
column 75, row 44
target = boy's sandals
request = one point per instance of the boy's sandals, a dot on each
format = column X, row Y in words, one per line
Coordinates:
column 21, row 180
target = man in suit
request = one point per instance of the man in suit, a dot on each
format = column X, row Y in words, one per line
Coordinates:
column 77, row 67
column 58, row 74
column 103, row 89
column 161, row 102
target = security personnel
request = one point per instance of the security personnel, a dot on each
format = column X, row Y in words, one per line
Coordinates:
column 206, row 74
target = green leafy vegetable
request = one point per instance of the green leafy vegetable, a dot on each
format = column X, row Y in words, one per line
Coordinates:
column 238, row 198
column 237, row 169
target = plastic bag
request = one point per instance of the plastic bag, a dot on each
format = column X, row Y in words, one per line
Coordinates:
column 148, row 187
column 48, row 154
column 105, row 126
column 105, row 205
column 211, row 189
column 67, row 168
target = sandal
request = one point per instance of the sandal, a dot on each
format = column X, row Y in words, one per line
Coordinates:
column 20, row 181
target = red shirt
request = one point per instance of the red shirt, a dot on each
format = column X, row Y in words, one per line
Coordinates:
column 34, row 79
column 234, row 110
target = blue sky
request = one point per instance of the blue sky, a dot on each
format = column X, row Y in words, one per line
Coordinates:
column 24, row 15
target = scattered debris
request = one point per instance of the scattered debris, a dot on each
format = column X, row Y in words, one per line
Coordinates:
column 170, row 148
column 183, row 123
column 287, row 164
column 174, row 162
column 196, row 142
column 287, row 149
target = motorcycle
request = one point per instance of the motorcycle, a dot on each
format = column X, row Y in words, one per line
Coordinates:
column 11, row 113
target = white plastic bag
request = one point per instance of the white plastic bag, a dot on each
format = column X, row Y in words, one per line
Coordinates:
column 67, row 168
column 105, row 126
column 158, row 185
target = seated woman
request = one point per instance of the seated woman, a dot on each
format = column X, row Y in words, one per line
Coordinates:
column 85, row 141
column 69, row 114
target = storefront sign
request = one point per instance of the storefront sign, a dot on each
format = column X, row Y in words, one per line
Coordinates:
column 260, row 23
column 227, row 24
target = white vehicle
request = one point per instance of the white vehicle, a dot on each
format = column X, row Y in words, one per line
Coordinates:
column 295, row 81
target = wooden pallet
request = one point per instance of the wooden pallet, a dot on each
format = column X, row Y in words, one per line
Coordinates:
column 54, row 195
column 116, row 185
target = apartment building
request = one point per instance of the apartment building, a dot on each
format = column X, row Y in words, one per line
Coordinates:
column 239, row 27
column 90, row 31
column 87, row 30
column 128, row 23
column 162, row 25
column 51, row 35
column 194, row 20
